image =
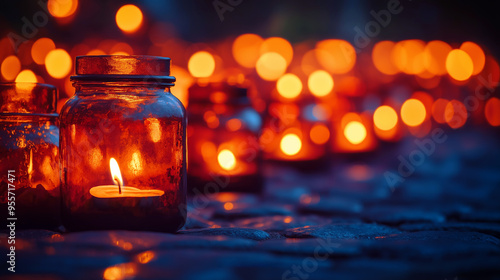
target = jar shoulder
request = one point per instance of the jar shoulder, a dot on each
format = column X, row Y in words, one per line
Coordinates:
column 161, row 104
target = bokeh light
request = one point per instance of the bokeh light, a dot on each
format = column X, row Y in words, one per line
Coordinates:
column 355, row 132
column 476, row 54
column 228, row 206
column 455, row 114
column 385, row 118
column 10, row 67
column 226, row 159
column 289, row 86
column 62, row 8
column 246, row 49
column 319, row 134
column 459, row 65
column 278, row 45
column 408, row 56
column 435, row 54
column 438, row 110
column 58, row 63
column 320, row 83
column 201, row 64
column 129, row 18
column 492, row 111
column 381, row 55
column 290, row 144
column 413, row 112
column 337, row 56
column 40, row 49
column 26, row 76
column 271, row 66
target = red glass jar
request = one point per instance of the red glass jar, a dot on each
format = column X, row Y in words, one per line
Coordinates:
column 29, row 149
column 123, row 146
column 224, row 153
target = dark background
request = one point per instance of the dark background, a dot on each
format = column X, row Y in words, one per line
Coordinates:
column 295, row 20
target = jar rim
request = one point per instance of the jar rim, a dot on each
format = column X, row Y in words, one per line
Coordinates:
column 144, row 68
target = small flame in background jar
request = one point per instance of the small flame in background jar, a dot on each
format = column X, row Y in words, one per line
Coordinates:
column 115, row 172
column 226, row 159
column 355, row 132
column 291, row 144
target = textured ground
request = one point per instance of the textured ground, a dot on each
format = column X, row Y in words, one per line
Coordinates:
column 340, row 221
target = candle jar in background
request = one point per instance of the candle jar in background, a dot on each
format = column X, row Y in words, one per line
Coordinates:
column 353, row 134
column 123, row 111
column 295, row 135
column 223, row 129
column 29, row 149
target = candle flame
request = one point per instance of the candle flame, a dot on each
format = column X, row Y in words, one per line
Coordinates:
column 116, row 174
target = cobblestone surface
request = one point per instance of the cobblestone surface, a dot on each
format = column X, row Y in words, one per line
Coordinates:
column 343, row 222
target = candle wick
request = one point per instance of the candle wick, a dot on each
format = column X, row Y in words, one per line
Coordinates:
column 119, row 185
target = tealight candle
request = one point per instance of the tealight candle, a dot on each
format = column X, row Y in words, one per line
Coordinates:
column 119, row 195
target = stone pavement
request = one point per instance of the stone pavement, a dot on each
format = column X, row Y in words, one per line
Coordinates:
column 343, row 221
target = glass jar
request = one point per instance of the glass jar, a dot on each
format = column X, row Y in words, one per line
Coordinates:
column 123, row 146
column 224, row 153
column 29, row 149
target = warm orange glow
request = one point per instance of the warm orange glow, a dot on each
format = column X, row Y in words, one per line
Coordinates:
column 62, row 8
column 95, row 157
column 10, row 67
column 385, row 118
column 145, row 257
column 355, row 132
column 58, row 63
column 492, row 111
column 435, row 54
column 320, row 83
column 120, row 272
column 290, row 144
column 40, row 49
column 226, row 160
column 438, row 110
column 211, row 119
column 337, row 56
column 278, row 45
column 381, row 57
column 183, row 81
column 408, row 56
column 476, row 54
column 426, row 99
column 246, row 49
column 228, row 206
column 455, row 114
column 413, row 112
column 208, row 151
column 319, row 134
column 26, row 76
column 271, row 66
column 309, row 62
column 459, row 65
column 121, row 49
column 289, row 86
column 201, row 64
column 129, row 18
column 349, row 86
column 287, row 220
column 115, row 172
column 233, row 124
column 154, row 129
column 135, row 164
column 96, row 52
